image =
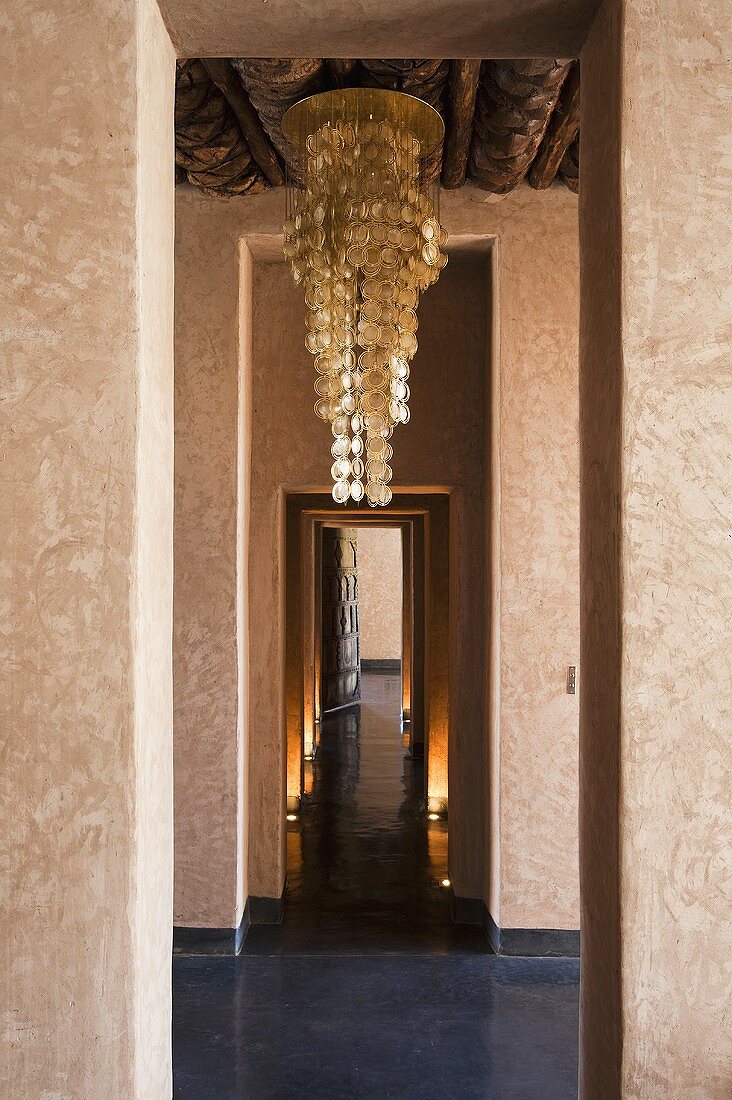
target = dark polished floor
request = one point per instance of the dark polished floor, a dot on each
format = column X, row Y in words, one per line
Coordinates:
column 364, row 865
column 367, row 988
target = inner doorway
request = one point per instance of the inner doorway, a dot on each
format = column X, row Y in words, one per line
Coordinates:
column 435, row 570
column 363, row 610
column 367, row 856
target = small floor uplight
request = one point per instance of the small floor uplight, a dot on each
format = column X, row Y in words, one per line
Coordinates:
column 292, row 817
column 433, row 817
column 445, row 882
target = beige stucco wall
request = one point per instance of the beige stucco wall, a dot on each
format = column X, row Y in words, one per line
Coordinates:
column 536, row 448
column 656, row 555
column 208, row 848
column 532, row 879
column 409, row 28
column 380, row 592
column 86, row 532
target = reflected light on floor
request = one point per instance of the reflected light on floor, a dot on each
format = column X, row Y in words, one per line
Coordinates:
column 437, row 848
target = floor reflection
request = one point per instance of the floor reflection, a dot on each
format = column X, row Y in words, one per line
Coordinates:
column 364, row 862
column 367, row 990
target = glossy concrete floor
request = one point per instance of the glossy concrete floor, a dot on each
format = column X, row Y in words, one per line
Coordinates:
column 367, row 989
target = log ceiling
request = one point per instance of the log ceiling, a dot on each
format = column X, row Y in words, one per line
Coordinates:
column 505, row 121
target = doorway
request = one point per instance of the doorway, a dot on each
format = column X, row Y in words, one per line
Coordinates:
column 431, row 646
column 366, row 613
column 367, row 853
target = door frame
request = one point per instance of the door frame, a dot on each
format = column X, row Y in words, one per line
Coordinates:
column 426, row 517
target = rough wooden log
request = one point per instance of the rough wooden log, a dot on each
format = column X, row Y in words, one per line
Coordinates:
column 560, row 133
column 342, row 71
column 464, row 76
column 209, row 145
column 424, row 78
column 274, row 84
column 569, row 169
column 513, row 106
column 228, row 82
column 519, row 107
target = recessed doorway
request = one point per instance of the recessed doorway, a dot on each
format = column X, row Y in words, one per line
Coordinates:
column 367, row 850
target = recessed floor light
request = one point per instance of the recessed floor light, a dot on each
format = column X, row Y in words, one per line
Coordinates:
column 292, row 817
column 445, row 882
column 433, row 817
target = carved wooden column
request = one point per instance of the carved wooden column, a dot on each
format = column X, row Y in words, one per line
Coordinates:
column 341, row 666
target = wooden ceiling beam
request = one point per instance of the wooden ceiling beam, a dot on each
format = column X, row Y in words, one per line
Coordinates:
column 505, row 119
column 425, row 78
column 210, row 149
column 341, row 70
column 229, row 84
column 560, row 133
column 273, row 85
column 464, row 77
column 569, row 169
column 514, row 103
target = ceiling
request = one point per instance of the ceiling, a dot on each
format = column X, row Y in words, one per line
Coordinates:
column 370, row 28
column 505, row 121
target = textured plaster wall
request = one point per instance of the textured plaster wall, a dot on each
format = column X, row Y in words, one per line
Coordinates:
column 86, row 528
column 531, row 879
column 406, row 28
column 205, row 656
column 380, row 592
column 656, row 556
column 537, row 445
column 153, row 837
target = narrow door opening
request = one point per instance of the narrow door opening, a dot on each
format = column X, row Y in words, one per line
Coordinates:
column 367, row 851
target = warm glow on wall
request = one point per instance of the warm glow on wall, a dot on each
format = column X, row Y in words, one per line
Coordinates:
column 307, row 779
column 308, row 739
column 406, row 696
column 437, row 767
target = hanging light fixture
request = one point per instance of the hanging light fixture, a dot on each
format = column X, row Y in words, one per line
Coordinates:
column 362, row 234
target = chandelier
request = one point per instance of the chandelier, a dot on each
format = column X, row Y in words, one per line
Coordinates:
column 362, row 235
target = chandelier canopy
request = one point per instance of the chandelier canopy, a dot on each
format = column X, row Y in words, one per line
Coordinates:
column 362, row 234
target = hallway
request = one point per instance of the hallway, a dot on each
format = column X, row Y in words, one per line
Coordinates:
column 367, row 936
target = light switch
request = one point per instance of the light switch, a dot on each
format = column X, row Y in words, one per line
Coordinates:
column 571, row 679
